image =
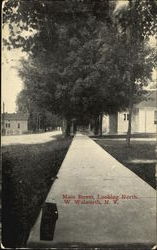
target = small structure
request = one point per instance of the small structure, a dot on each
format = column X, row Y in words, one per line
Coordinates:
column 14, row 123
column 144, row 118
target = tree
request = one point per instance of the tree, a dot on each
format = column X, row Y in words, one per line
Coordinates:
column 74, row 58
column 79, row 51
column 85, row 86
column 61, row 40
column 39, row 118
column 137, row 23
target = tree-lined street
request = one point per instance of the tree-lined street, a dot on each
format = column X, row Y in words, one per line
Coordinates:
column 84, row 58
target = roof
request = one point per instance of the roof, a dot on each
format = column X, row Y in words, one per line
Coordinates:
column 151, row 100
column 15, row 116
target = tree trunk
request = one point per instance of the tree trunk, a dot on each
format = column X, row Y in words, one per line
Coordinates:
column 100, row 124
column 96, row 125
column 36, row 123
column 75, row 127
column 67, row 127
column 129, row 125
column 131, row 101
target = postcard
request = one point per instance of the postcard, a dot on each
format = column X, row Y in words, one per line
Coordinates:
column 78, row 124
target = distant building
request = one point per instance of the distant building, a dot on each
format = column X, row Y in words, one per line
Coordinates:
column 144, row 118
column 14, row 124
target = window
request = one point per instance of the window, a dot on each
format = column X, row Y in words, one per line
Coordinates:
column 18, row 125
column 126, row 117
column 155, row 117
column 7, row 125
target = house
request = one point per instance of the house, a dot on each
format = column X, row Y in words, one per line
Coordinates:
column 14, row 124
column 144, row 118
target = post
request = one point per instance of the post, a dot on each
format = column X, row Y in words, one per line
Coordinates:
column 3, row 107
column 3, row 117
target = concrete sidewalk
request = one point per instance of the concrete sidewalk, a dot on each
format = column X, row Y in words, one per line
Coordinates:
column 109, row 204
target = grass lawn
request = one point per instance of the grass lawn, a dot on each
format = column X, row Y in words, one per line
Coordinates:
column 137, row 135
column 28, row 172
column 144, row 150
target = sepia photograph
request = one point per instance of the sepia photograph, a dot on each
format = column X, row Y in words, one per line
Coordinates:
column 79, row 124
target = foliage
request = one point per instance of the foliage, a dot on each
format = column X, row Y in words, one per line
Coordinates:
column 79, row 58
column 140, row 17
column 72, row 72
column 39, row 118
column 136, row 23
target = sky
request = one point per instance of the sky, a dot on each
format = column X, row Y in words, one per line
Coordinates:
column 11, row 82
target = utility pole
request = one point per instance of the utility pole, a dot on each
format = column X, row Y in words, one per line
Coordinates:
column 3, row 124
column 3, row 107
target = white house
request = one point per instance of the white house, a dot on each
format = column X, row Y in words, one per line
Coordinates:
column 13, row 124
column 144, row 118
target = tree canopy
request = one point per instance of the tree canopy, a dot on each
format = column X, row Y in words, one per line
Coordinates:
column 79, row 52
